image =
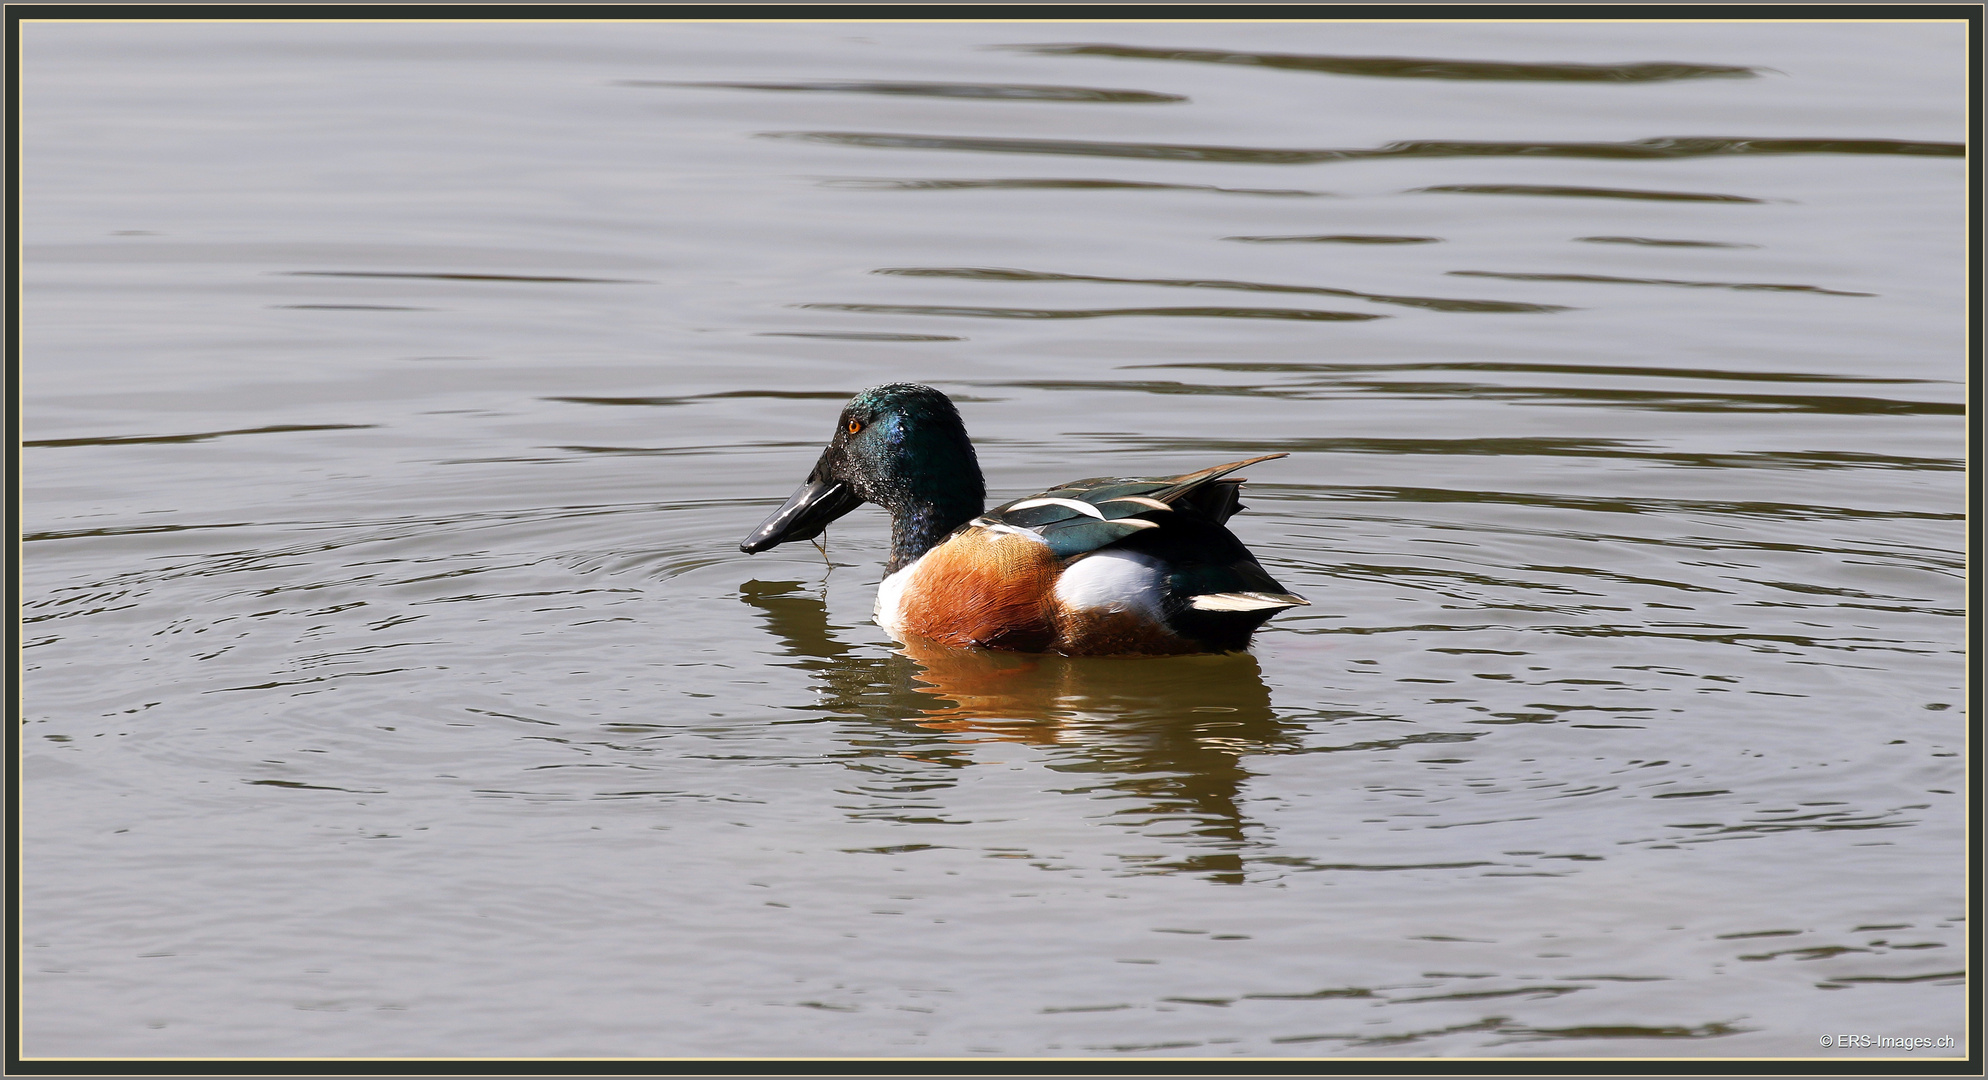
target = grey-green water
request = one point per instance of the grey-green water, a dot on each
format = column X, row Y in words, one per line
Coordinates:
column 396, row 395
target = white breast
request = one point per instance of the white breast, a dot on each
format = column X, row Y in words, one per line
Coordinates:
column 890, row 598
column 1112, row 581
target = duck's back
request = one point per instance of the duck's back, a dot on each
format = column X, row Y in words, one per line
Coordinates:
column 1106, row 565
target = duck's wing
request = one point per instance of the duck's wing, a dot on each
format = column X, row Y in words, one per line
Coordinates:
column 1085, row 515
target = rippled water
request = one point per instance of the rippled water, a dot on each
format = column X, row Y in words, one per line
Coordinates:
column 396, row 395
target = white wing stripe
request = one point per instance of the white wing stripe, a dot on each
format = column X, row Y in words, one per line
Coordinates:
column 1084, row 507
column 1245, row 601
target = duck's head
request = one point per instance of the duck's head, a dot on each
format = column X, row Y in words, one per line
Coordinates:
column 901, row 446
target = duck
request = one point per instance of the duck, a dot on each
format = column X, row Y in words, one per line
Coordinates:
column 1109, row 565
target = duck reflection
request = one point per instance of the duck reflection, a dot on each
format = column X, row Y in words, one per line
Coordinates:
column 1164, row 735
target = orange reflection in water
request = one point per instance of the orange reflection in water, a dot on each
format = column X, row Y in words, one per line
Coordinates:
column 1043, row 698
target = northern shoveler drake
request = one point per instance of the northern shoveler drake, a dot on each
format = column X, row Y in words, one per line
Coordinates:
column 1108, row 565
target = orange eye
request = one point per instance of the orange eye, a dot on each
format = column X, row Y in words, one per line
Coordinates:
column 855, row 426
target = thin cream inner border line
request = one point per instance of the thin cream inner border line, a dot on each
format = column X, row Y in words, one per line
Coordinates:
column 278, row 20
column 1403, row 21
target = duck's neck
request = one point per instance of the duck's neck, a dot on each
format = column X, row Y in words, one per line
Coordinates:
column 917, row 525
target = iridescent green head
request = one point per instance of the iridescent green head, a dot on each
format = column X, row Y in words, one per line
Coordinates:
column 902, row 446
